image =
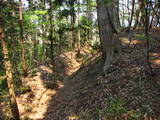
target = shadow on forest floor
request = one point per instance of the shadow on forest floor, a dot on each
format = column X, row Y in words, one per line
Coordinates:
column 85, row 96
column 4, row 113
column 45, row 83
column 2, row 116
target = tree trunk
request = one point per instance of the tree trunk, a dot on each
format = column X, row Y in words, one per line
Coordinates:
column 158, row 13
column 22, row 39
column 155, row 12
column 141, row 4
column 51, row 32
column 105, row 31
column 147, row 36
column 123, row 15
column 73, row 19
column 8, row 68
column 78, row 32
column 70, row 39
column 60, row 42
column 89, row 19
column 136, row 19
column 71, row 35
column 130, row 22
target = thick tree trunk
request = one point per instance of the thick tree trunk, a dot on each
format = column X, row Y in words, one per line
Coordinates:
column 22, row 39
column 136, row 19
column 8, row 68
column 147, row 36
column 105, row 31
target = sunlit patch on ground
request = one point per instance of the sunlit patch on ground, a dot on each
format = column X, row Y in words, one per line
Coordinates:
column 155, row 58
column 157, row 62
column 60, row 84
column 4, row 112
column 34, row 104
column 45, row 68
column 73, row 117
column 126, row 41
column 155, row 54
column 44, row 85
column 135, row 68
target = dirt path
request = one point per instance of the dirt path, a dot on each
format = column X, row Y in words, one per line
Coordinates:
column 34, row 104
column 86, row 91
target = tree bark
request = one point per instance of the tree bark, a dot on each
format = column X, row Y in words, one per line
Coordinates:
column 78, row 32
column 147, row 36
column 9, row 76
column 73, row 19
column 132, row 13
column 24, row 67
column 51, row 32
column 89, row 19
column 106, row 30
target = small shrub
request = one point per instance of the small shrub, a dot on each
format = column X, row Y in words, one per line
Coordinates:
column 22, row 90
column 3, row 87
column 26, row 118
column 140, row 36
column 53, row 83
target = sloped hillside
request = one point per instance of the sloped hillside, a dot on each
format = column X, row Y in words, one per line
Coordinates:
column 127, row 91
column 79, row 90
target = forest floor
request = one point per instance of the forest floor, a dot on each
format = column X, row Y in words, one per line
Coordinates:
column 83, row 92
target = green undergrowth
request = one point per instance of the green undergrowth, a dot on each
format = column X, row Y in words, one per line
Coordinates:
column 118, row 110
column 52, row 83
column 22, row 89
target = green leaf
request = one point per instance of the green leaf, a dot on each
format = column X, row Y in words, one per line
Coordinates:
column 34, row 17
column 1, row 81
column 40, row 12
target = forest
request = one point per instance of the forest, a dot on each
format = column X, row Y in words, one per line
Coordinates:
column 79, row 59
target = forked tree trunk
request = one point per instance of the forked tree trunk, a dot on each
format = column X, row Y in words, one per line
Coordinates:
column 105, row 31
column 24, row 67
column 9, row 78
